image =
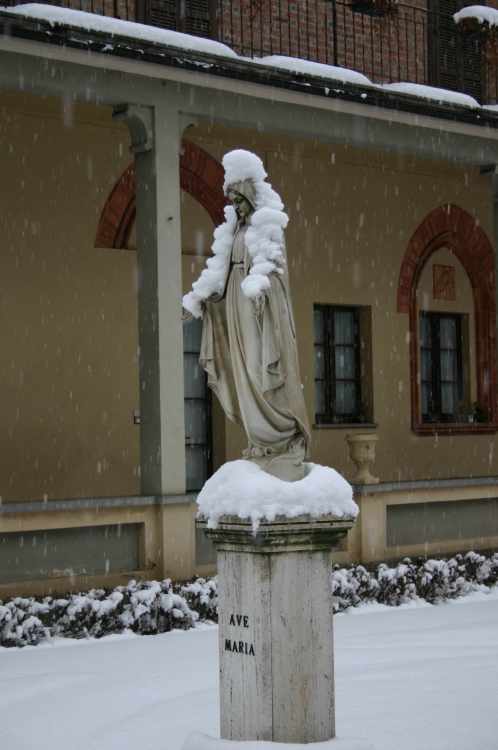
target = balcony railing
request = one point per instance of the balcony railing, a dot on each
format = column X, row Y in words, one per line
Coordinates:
column 414, row 44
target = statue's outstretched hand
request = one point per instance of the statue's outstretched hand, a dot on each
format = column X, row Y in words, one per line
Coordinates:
column 259, row 303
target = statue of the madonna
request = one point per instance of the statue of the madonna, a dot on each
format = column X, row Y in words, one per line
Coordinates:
column 248, row 345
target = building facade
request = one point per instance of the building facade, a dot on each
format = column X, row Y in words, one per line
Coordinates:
column 108, row 431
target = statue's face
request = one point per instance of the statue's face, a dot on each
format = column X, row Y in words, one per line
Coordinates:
column 241, row 205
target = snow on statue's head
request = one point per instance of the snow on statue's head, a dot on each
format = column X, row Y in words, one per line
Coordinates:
column 243, row 168
column 240, row 165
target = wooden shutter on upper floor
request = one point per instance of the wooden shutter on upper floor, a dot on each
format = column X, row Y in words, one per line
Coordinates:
column 196, row 17
column 454, row 60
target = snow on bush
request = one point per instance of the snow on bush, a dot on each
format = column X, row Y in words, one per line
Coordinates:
column 145, row 608
column 264, row 236
column 152, row 607
column 432, row 580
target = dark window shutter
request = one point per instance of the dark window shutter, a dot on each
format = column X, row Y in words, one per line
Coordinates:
column 472, row 55
column 196, row 17
column 163, row 13
column 454, row 60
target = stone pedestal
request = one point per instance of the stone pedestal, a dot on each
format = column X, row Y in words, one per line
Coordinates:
column 275, row 627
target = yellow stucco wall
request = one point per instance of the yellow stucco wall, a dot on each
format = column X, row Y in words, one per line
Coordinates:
column 352, row 213
column 68, row 328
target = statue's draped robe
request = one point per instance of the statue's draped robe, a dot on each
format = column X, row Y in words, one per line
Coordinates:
column 251, row 360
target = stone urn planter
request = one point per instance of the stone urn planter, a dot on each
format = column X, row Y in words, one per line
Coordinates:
column 362, row 452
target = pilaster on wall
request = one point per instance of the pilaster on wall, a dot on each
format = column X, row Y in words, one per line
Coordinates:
column 178, row 535
column 451, row 227
column 155, row 134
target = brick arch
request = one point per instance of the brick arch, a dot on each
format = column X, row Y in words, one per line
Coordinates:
column 451, row 227
column 200, row 175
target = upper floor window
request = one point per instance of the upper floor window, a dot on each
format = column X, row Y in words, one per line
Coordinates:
column 440, row 366
column 337, row 364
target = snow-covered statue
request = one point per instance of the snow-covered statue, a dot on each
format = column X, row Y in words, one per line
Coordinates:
column 248, row 345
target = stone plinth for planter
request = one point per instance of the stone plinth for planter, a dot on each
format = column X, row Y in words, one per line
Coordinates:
column 275, row 627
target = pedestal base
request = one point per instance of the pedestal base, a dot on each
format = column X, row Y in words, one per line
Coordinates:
column 200, row 741
column 275, row 627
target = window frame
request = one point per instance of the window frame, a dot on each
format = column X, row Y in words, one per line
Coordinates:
column 207, row 399
column 451, row 227
column 436, row 376
column 330, row 416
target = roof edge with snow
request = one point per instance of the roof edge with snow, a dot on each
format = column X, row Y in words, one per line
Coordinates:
column 124, row 39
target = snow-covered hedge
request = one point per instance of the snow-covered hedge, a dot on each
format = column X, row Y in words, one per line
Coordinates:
column 146, row 608
column 432, row 580
column 153, row 607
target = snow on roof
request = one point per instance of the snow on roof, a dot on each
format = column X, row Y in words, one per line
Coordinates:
column 166, row 38
column 114, row 26
column 443, row 96
column 480, row 12
column 307, row 67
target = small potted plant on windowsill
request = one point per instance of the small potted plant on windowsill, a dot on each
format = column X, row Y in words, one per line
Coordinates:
column 473, row 23
column 480, row 411
column 473, row 27
column 360, row 412
column 433, row 413
column 461, row 408
column 376, row 8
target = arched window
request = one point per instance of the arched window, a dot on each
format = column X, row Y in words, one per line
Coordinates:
column 437, row 341
column 201, row 176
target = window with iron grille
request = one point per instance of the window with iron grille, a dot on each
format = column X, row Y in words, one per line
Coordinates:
column 198, row 430
column 337, row 364
column 440, row 366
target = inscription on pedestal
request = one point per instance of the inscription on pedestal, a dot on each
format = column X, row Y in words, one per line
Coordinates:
column 239, row 620
column 239, row 647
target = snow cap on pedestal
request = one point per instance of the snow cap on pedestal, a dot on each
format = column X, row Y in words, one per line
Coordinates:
column 241, row 488
column 264, row 235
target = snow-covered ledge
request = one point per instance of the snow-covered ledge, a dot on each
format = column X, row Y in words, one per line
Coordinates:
column 328, row 74
column 243, row 489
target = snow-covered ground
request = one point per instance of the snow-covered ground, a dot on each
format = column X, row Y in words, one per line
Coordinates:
column 407, row 678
